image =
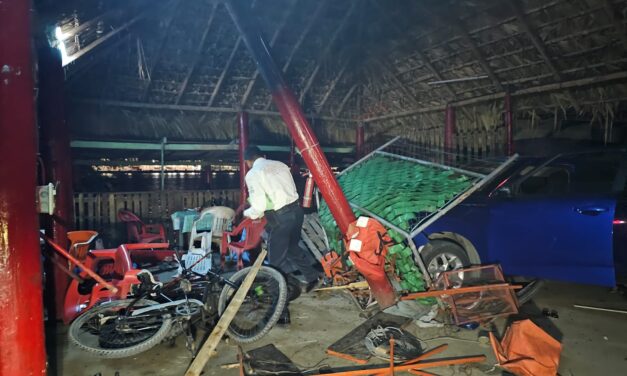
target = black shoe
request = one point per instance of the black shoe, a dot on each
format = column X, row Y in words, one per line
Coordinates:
column 293, row 287
column 285, row 317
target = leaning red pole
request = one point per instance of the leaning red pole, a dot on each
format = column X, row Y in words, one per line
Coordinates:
column 22, row 349
column 295, row 120
column 242, row 128
column 509, row 124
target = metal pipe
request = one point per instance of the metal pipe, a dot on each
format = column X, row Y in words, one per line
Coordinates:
column 294, row 118
column 22, row 346
column 509, row 124
column 449, row 128
column 242, row 129
column 359, row 140
column 58, row 162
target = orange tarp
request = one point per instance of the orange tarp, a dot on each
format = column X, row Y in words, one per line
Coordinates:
column 527, row 350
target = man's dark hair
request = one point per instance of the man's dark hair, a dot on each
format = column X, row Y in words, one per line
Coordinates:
column 252, row 152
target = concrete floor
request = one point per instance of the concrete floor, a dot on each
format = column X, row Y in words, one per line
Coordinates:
column 595, row 343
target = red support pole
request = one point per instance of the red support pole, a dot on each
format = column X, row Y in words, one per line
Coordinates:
column 295, row 119
column 22, row 349
column 57, row 159
column 509, row 124
column 359, row 141
column 449, row 128
column 242, row 122
column 307, row 143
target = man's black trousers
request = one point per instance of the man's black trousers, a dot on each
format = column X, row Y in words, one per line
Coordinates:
column 284, row 253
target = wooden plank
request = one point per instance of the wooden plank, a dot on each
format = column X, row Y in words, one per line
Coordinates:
column 210, row 345
column 89, row 200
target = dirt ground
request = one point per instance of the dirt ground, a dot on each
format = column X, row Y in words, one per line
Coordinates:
column 595, row 343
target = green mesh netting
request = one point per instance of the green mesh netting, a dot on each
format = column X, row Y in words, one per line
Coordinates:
column 402, row 193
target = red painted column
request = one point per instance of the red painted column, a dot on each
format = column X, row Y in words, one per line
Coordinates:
column 449, row 128
column 294, row 118
column 57, row 158
column 359, row 140
column 509, row 124
column 22, row 350
column 242, row 128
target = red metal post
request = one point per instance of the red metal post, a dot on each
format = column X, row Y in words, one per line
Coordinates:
column 242, row 128
column 359, row 140
column 509, row 124
column 449, row 128
column 22, row 349
column 295, row 119
column 305, row 139
column 57, row 158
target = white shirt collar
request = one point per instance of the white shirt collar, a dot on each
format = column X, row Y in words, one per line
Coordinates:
column 258, row 160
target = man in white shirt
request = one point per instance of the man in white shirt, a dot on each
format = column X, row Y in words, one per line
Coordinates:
column 273, row 195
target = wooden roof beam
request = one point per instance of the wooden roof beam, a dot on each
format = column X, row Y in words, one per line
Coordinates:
column 327, row 50
column 275, row 36
column 348, row 95
column 616, row 21
column 565, row 85
column 334, row 82
column 534, row 37
column 227, row 66
column 157, row 56
column 179, row 107
column 197, row 54
column 419, row 52
column 299, row 42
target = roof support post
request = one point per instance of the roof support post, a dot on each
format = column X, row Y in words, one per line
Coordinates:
column 21, row 300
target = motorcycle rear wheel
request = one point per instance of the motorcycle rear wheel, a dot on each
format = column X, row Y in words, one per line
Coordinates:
column 101, row 332
column 262, row 307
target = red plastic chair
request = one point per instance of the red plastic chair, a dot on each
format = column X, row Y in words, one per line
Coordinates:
column 254, row 229
column 138, row 231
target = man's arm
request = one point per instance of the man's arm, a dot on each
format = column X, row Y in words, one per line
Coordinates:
column 257, row 197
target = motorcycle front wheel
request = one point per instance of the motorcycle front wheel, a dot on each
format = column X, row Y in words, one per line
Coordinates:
column 261, row 308
column 109, row 330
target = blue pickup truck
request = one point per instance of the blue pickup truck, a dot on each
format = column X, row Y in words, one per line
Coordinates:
column 558, row 218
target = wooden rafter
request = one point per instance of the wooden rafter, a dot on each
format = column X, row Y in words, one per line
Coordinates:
column 174, row 107
column 423, row 58
column 534, row 37
column 327, row 50
column 334, row 82
column 299, row 41
column 197, row 54
column 275, row 36
column 458, row 25
column 160, row 48
column 398, row 82
column 564, row 85
column 227, row 66
column 616, row 21
column 348, row 95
